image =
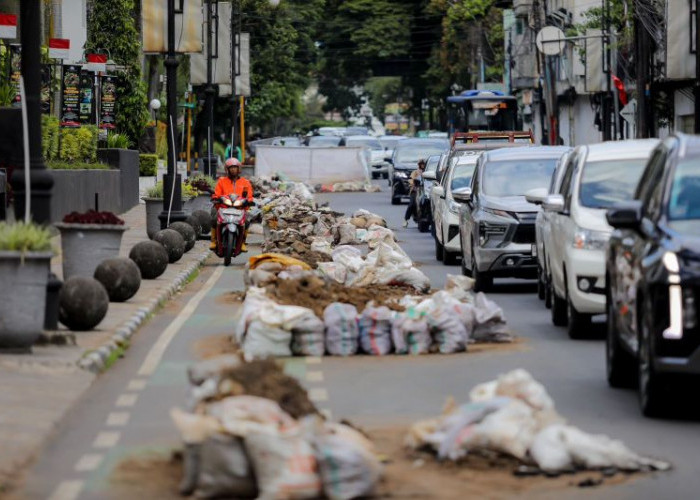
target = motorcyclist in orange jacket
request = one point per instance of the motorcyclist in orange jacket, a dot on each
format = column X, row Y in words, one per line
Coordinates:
column 232, row 183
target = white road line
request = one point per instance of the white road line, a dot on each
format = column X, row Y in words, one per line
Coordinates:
column 312, row 360
column 89, row 462
column 314, row 376
column 156, row 353
column 106, row 439
column 67, row 490
column 118, row 419
column 136, row 385
column 127, row 400
column 318, row 394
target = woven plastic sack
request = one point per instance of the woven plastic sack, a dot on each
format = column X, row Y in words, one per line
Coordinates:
column 308, row 336
column 375, row 330
column 224, row 469
column 342, row 331
column 410, row 333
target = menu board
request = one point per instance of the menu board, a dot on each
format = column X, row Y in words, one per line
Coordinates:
column 70, row 96
column 87, row 98
column 16, row 72
column 108, row 98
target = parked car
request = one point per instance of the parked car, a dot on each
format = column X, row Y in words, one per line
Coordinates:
column 323, row 141
column 423, row 216
column 377, row 162
column 596, row 177
column 542, row 230
column 497, row 223
column 288, row 142
column 405, row 160
column 356, row 130
column 331, row 131
column 653, row 278
column 459, row 148
column 389, row 143
column 457, row 175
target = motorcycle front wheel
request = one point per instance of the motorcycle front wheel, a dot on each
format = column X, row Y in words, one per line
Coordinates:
column 229, row 245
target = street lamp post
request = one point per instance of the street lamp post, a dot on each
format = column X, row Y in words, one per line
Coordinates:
column 41, row 179
column 210, row 91
column 172, row 191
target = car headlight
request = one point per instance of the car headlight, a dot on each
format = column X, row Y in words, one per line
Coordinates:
column 488, row 230
column 494, row 211
column 586, row 239
column 400, row 174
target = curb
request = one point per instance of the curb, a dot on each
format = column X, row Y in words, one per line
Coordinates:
column 95, row 360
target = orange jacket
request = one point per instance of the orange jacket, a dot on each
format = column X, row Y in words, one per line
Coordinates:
column 226, row 186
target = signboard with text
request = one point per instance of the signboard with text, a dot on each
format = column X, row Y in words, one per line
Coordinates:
column 70, row 96
column 87, row 98
column 108, row 99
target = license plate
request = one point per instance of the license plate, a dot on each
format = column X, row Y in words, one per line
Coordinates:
column 533, row 250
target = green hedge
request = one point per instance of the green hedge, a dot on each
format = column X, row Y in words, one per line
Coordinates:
column 68, row 144
column 49, row 137
column 148, row 165
column 75, row 165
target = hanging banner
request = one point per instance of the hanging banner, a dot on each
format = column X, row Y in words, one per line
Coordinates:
column 46, row 89
column 96, row 63
column 108, row 98
column 8, row 26
column 70, row 96
column 16, row 72
column 87, row 97
column 59, row 48
column 188, row 26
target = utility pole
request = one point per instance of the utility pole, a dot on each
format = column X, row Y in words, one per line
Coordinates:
column 543, row 82
column 235, row 54
column 697, row 67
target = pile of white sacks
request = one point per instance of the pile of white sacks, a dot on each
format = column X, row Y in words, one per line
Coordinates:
column 445, row 322
column 514, row 415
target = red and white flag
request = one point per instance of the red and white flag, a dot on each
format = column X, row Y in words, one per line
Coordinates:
column 8, row 26
column 96, row 63
column 59, row 48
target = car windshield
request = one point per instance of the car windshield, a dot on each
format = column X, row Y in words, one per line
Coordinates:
column 461, row 157
column 462, row 176
column 516, row 177
column 370, row 142
column 390, row 142
column 323, row 141
column 414, row 152
column 604, row 183
column 431, row 165
column 685, row 192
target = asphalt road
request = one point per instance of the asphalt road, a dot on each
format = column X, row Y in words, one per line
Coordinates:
column 126, row 413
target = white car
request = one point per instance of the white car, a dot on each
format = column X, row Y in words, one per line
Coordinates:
column 376, row 158
column 596, row 177
column 457, row 174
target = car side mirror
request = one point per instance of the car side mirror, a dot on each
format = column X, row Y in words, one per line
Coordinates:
column 625, row 215
column 462, row 195
column 439, row 191
column 390, row 161
column 536, row 196
column 553, row 203
column 429, row 176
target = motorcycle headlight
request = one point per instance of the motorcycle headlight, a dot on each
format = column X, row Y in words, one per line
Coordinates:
column 238, row 203
column 400, row 174
column 228, row 202
column 586, row 239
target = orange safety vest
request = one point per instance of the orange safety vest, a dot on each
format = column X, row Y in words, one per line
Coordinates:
column 226, row 186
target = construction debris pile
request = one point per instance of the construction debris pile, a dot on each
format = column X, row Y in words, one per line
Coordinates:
column 514, row 415
column 251, row 432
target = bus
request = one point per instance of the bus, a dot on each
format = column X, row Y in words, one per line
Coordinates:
column 484, row 110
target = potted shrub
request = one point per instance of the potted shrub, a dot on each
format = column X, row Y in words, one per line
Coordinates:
column 204, row 186
column 154, row 205
column 25, row 261
column 87, row 239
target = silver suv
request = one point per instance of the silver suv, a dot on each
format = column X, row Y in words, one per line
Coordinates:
column 496, row 223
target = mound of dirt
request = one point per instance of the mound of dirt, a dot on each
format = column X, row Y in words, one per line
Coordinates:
column 316, row 294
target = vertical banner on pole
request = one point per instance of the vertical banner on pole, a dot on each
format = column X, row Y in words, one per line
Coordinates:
column 70, row 96
column 108, row 98
column 87, row 97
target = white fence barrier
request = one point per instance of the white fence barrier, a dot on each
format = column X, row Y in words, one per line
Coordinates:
column 313, row 165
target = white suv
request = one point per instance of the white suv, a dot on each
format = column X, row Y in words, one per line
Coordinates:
column 596, row 177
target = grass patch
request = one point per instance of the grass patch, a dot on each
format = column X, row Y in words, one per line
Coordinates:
column 77, row 165
column 119, row 352
column 193, row 276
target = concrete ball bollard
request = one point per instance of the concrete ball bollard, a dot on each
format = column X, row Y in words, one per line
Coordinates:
column 204, row 218
column 187, row 232
column 82, row 303
column 120, row 277
column 151, row 258
column 196, row 225
column 173, row 242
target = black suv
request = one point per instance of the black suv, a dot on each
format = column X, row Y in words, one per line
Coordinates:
column 653, row 277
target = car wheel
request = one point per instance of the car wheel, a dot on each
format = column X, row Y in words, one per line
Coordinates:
column 540, row 283
column 558, row 308
column 619, row 364
column 448, row 258
column 579, row 324
column 375, row 175
column 482, row 281
column 652, row 390
column 438, row 250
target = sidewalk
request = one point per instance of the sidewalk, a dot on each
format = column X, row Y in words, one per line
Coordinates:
column 40, row 388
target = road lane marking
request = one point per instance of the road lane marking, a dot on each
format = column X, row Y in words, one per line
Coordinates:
column 67, row 490
column 156, row 353
column 136, row 385
column 318, row 394
column 127, row 400
column 106, row 439
column 312, row 360
column 118, row 419
column 89, row 462
column 315, row 376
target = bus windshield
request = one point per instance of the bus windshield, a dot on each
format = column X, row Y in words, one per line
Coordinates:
column 474, row 113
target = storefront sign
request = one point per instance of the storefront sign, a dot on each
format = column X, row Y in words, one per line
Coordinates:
column 108, row 98
column 70, row 100
column 87, row 97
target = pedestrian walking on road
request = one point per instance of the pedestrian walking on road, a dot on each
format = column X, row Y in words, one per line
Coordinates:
column 414, row 182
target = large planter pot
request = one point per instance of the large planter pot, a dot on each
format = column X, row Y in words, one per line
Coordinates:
column 154, row 206
column 22, row 297
column 85, row 246
column 201, row 202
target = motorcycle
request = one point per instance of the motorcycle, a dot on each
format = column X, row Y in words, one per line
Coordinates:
column 231, row 217
column 423, row 216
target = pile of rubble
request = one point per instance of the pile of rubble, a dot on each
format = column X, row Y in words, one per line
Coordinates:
column 251, row 432
column 515, row 416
